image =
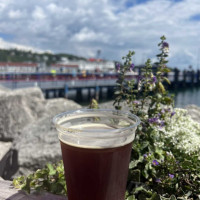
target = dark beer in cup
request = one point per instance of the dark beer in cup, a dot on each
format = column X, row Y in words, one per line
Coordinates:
column 96, row 147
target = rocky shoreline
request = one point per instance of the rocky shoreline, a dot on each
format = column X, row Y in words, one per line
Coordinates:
column 28, row 139
column 26, row 125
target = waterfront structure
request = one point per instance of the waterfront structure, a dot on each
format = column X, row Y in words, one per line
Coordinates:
column 99, row 65
column 15, row 67
column 92, row 65
column 63, row 68
column 61, row 83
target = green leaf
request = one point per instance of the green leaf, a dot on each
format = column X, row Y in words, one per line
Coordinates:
column 167, row 80
column 158, row 73
column 133, row 164
column 167, row 100
column 166, row 70
column 173, row 197
column 139, row 189
column 164, row 198
column 155, row 196
column 52, row 171
column 145, row 171
column 134, row 175
column 144, row 144
column 94, row 104
column 161, row 87
column 117, row 92
column 132, row 197
column 163, row 38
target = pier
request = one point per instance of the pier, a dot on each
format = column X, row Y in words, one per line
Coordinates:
column 61, row 84
column 62, row 88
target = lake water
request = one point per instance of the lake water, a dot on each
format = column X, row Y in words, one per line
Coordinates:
column 183, row 96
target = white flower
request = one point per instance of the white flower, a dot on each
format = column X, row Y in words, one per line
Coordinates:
column 184, row 132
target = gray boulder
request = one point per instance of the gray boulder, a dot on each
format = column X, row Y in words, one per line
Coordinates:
column 19, row 108
column 5, row 158
column 56, row 106
column 38, row 142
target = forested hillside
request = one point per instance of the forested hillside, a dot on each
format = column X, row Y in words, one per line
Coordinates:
column 14, row 55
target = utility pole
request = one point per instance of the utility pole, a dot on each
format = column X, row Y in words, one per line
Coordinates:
column 198, row 58
column 98, row 53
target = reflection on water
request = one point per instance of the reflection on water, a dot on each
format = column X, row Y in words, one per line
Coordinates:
column 185, row 96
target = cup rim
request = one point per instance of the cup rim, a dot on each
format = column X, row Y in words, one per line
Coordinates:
column 77, row 131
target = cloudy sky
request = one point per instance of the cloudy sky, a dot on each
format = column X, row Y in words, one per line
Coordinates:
column 82, row 27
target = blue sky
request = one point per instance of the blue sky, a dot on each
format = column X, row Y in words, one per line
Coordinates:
column 195, row 17
column 112, row 26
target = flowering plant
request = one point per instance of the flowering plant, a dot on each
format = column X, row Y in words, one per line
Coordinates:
column 161, row 162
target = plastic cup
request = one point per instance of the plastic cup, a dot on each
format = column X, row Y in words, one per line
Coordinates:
column 96, row 147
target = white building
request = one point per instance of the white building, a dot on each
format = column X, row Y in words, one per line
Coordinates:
column 14, row 67
column 92, row 65
column 63, row 68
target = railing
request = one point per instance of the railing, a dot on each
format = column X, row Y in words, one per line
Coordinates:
column 46, row 85
column 61, row 81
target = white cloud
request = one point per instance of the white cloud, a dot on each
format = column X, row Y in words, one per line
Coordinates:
column 38, row 13
column 86, row 34
column 52, row 7
column 82, row 27
column 14, row 14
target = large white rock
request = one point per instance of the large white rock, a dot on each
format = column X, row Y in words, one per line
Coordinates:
column 38, row 143
column 26, row 119
column 18, row 108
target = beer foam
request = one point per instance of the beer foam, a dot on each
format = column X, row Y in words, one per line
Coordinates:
column 98, row 133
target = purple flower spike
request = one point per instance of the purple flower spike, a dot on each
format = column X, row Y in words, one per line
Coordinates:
column 173, row 113
column 165, row 45
column 153, row 120
column 171, row 175
column 145, row 156
column 162, row 124
column 139, row 78
column 154, row 79
column 158, row 180
column 136, row 102
column 167, row 109
column 162, row 111
column 132, row 67
column 155, row 162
